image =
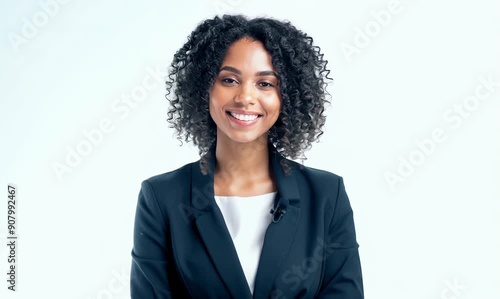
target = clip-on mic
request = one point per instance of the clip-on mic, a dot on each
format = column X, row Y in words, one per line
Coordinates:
column 280, row 210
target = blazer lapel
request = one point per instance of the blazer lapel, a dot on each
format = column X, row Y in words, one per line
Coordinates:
column 216, row 237
column 214, row 232
column 279, row 235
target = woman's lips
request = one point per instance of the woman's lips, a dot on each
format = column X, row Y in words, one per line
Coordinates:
column 243, row 123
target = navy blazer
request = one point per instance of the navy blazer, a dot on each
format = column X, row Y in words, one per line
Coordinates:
column 183, row 249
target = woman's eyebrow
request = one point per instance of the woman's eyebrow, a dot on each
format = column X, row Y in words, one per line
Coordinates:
column 237, row 71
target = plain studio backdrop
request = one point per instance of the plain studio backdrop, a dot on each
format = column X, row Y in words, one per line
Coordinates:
column 413, row 129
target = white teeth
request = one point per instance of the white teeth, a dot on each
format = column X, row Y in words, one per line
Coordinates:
column 244, row 116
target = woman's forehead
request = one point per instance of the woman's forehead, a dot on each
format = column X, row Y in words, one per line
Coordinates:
column 249, row 55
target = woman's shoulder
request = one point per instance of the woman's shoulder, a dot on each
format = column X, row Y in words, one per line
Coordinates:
column 316, row 174
column 323, row 187
column 175, row 176
column 169, row 189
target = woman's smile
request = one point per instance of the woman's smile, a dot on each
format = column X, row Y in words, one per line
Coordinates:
column 242, row 119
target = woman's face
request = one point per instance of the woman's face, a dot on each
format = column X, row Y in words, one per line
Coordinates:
column 244, row 100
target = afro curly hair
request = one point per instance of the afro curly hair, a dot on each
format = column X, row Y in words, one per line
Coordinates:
column 301, row 78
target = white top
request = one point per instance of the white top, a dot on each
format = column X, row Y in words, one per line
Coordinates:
column 247, row 219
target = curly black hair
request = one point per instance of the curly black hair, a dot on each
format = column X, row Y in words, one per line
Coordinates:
column 301, row 72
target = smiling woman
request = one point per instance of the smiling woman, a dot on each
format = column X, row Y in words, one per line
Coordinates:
column 244, row 99
column 245, row 220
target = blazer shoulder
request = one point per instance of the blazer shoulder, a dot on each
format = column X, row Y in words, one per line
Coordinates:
column 326, row 185
column 169, row 189
column 329, row 188
column 316, row 175
column 166, row 179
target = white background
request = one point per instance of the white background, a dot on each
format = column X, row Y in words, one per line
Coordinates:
column 435, row 234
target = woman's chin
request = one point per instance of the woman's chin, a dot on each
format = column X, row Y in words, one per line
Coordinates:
column 245, row 138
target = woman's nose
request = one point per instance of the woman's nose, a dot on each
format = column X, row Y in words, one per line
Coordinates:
column 246, row 94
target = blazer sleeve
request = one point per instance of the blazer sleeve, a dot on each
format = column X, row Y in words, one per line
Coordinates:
column 148, row 276
column 342, row 278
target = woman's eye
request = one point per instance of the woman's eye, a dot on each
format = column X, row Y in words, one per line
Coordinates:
column 228, row 80
column 266, row 84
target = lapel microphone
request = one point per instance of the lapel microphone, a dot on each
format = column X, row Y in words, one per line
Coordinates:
column 280, row 210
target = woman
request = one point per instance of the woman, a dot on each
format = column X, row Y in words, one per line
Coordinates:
column 244, row 221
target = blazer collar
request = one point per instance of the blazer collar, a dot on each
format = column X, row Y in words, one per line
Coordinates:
column 215, row 235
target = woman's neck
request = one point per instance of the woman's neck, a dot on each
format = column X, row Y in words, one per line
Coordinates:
column 243, row 169
column 237, row 161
